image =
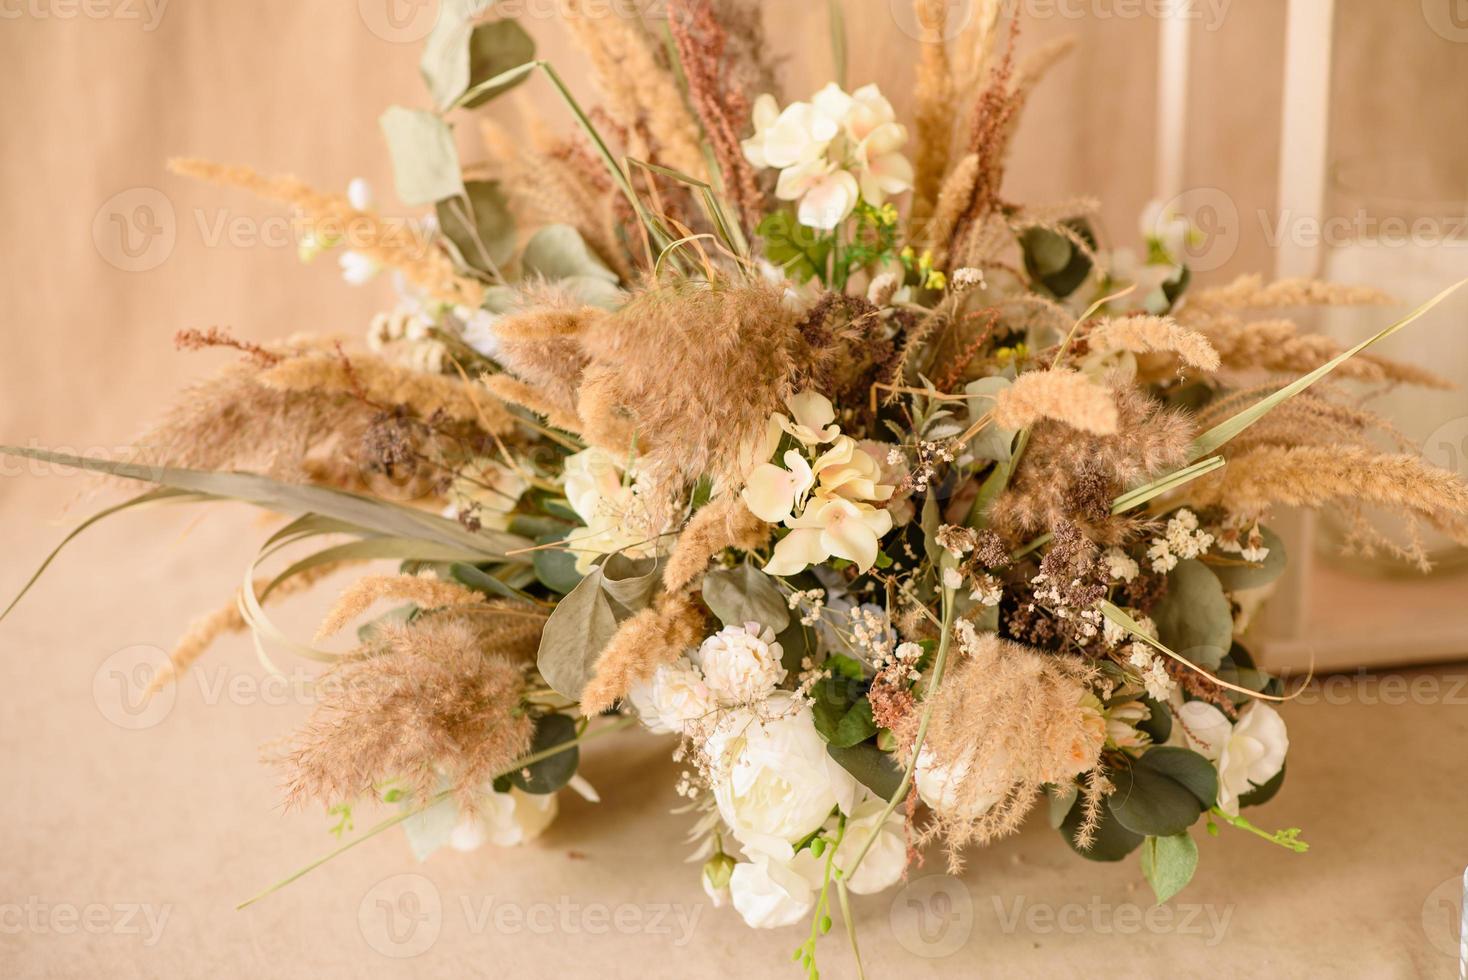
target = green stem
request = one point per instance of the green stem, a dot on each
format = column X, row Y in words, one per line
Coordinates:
column 939, row 663
column 850, row 926
column 1288, row 839
column 437, row 798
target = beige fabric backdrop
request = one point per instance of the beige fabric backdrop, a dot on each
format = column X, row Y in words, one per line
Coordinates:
column 105, row 806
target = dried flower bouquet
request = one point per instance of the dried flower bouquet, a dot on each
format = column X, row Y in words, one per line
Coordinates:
column 774, row 426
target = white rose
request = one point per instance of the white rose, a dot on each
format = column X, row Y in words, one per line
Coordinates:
column 674, row 696
column 768, row 894
column 505, row 820
column 773, row 781
column 741, row 663
column 884, row 863
column 938, row 785
column 1247, row 754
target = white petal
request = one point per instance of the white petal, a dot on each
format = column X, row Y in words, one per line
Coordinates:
column 796, row 551
column 829, row 202
column 770, row 493
column 1206, row 729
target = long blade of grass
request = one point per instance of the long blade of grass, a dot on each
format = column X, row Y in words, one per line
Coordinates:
column 151, row 497
column 836, row 12
column 1120, row 618
column 1221, row 433
column 369, row 514
column 713, row 207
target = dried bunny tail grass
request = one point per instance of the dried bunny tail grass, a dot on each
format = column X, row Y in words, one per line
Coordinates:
column 516, row 392
column 1318, row 476
column 1278, row 347
column 233, row 422
column 396, row 244
column 427, row 703
column 934, row 113
column 541, row 347
column 1144, row 334
column 655, row 636
column 736, row 350
column 386, row 384
column 641, row 89
column 721, row 104
column 1251, row 292
column 427, row 591
column 1007, row 720
column 1061, row 394
column 1067, row 475
column 203, row 631
column 720, row 524
column 954, row 195
column 545, row 188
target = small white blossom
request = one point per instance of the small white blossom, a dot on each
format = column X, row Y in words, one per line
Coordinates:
column 741, row 664
column 1120, row 566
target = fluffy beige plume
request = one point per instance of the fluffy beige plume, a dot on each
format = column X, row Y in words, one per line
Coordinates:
column 954, row 196
column 397, row 244
column 1251, row 292
column 1278, row 347
column 640, row 88
column 1008, row 720
column 549, row 183
column 1060, row 394
column 1319, row 476
column 720, row 524
column 655, row 636
column 1144, row 334
column 426, row 591
column 429, row 702
column 934, row 113
column 387, row 384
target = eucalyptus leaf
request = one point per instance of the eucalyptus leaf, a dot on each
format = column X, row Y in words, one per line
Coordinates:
column 1237, row 574
column 992, row 441
column 878, row 771
column 425, row 161
column 555, row 568
column 495, row 48
column 1168, row 864
column 559, row 252
column 488, row 240
column 744, row 594
column 842, row 714
column 444, row 63
column 579, row 628
column 1112, row 841
column 1263, row 794
column 1148, row 803
column 594, row 291
column 930, row 521
column 1195, row 619
column 481, row 581
column 795, row 644
column 630, row 582
column 554, row 771
column 1061, row 799
column 1185, row 767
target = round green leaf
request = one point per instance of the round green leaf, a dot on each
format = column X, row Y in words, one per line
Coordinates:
column 1169, row 863
column 479, row 225
column 1184, row 766
column 1195, row 619
column 1112, row 842
column 495, row 48
column 552, row 772
column 1263, row 794
column 1151, row 804
column 1238, row 574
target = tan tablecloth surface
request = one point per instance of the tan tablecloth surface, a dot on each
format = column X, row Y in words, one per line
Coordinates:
column 103, row 823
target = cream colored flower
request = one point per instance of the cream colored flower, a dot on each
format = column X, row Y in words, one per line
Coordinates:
column 741, row 664
column 672, row 698
column 886, row 861
column 831, row 527
column 1247, row 753
column 609, row 503
column 772, row 779
column 812, row 418
column 772, row 493
column 504, row 820
column 768, row 893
